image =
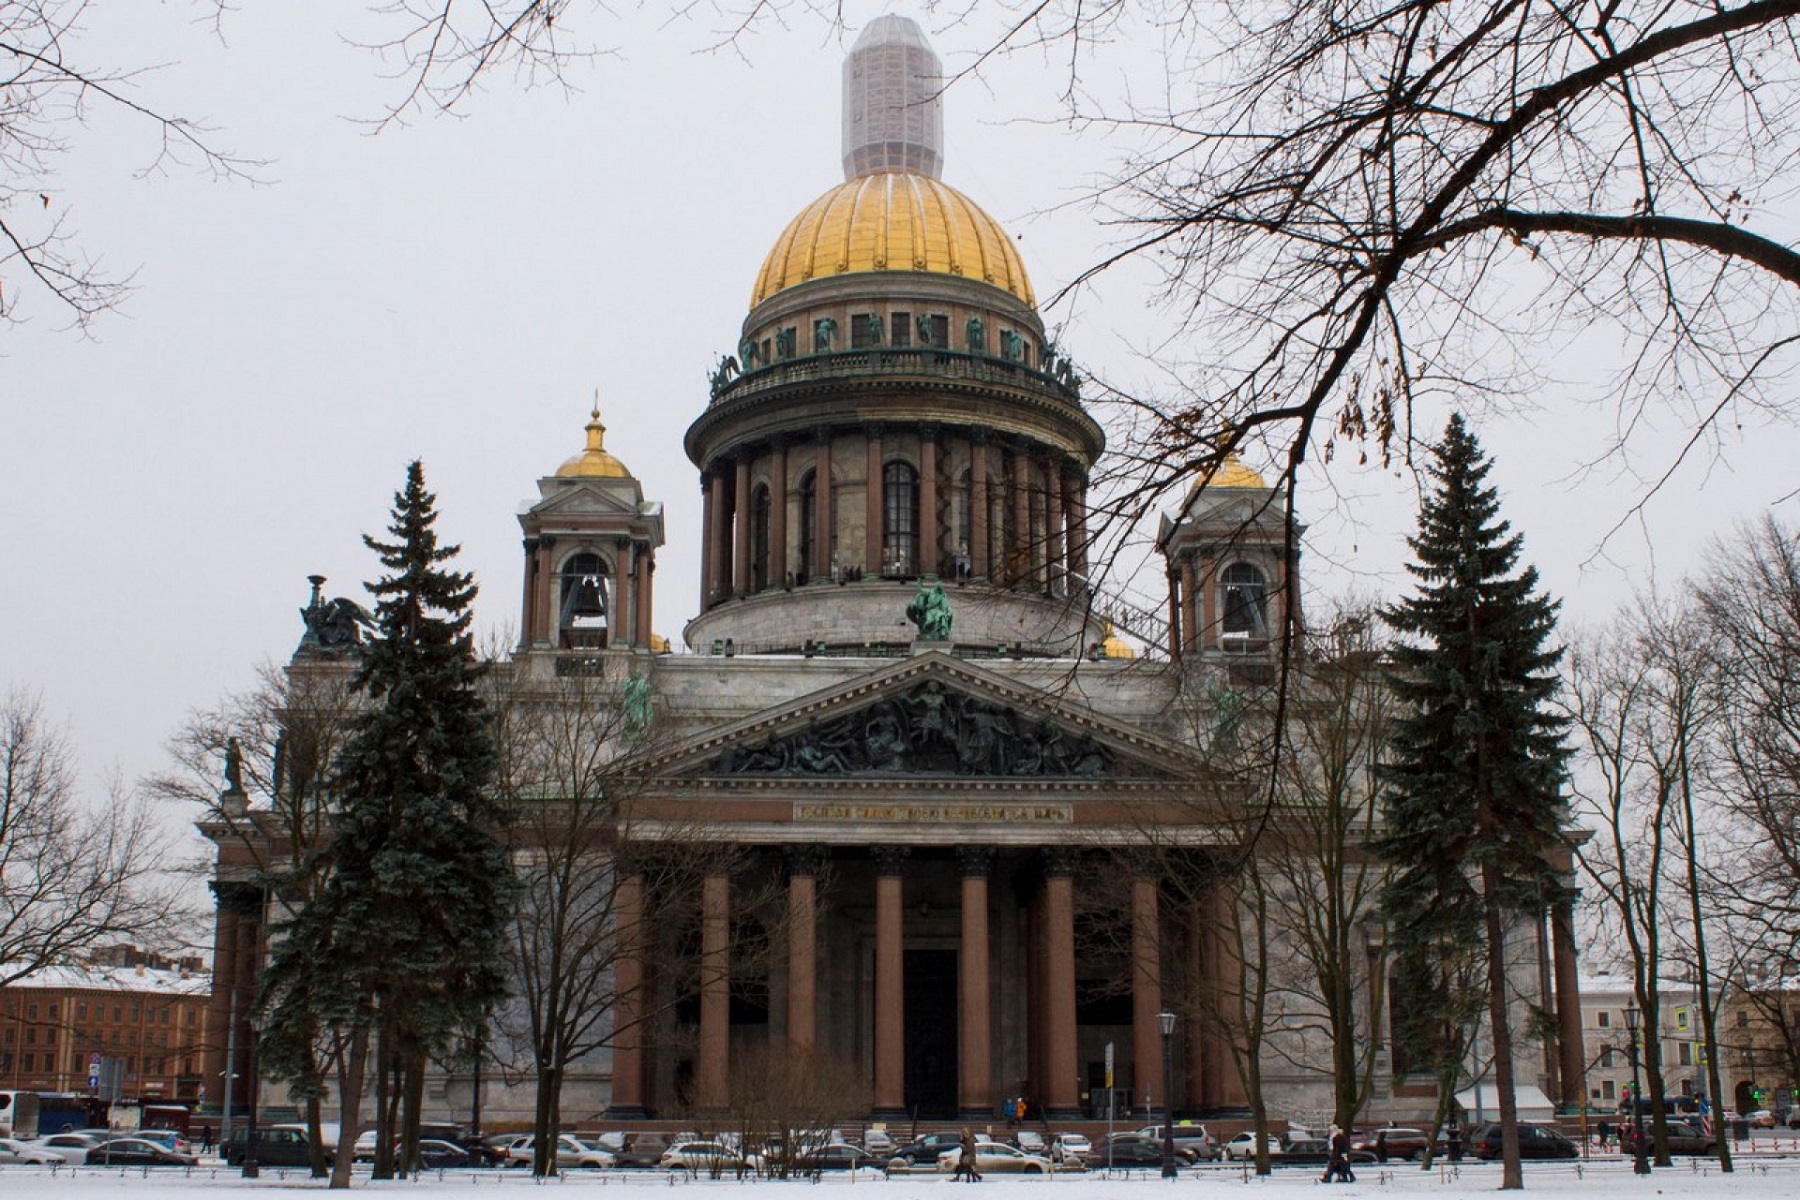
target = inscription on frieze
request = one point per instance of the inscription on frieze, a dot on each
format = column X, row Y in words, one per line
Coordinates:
column 1040, row 814
column 927, row 731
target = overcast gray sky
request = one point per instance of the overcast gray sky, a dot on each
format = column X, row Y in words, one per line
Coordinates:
column 456, row 290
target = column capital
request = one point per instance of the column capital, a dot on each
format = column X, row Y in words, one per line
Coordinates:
column 1059, row 861
column 805, row 860
column 889, row 860
column 236, row 896
column 975, row 860
column 531, row 544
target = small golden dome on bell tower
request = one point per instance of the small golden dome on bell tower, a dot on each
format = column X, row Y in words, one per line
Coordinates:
column 594, row 462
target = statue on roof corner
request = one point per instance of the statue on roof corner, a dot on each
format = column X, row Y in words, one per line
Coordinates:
column 929, row 609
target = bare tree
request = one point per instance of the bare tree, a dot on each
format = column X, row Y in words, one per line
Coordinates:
column 1360, row 204
column 786, row 1104
column 48, row 86
column 73, row 876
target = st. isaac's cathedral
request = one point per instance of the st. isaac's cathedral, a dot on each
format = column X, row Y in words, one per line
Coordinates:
column 901, row 705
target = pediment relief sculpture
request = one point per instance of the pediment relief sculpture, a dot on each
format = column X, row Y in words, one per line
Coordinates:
column 928, row 730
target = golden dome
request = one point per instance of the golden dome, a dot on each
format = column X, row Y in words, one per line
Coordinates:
column 594, row 462
column 1116, row 646
column 892, row 222
column 1232, row 473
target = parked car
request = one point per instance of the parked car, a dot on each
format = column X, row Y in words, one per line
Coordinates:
column 879, row 1141
column 997, row 1158
column 1685, row 1138
column 1243, row 1146
column 1310, row 1151
column 923, row 1151
column 1762, row 1118
column 1131, row 1150
column 1030, row 1141
column 571, row 1151
column 137, row 1152
column 839, row 1156
column 1535, row 1141
column 1200, row 1145
column 435, row 1154
column 12, row 1150
column 701, row 1158
column 1396, row 1141
column 1070, row 1147
column 71, row 1147
column 277, row 1146
column 643, row 1151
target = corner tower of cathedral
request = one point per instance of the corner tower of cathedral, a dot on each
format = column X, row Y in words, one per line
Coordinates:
column 894, row 411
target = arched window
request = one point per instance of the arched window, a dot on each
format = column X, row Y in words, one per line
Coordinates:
column 900, row 530
column 759, row 538
column 1244, row 601
column 583, row 609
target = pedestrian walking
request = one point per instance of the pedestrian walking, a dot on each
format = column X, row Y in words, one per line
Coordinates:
column 965, row 1161
column 1337, row 1157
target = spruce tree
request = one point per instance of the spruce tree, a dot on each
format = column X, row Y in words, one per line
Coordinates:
column 404, row 939
column 1472, row 798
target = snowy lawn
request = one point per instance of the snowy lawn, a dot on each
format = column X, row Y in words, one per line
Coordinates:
column 1763, row 1176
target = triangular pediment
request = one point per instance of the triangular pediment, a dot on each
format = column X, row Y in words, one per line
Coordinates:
column 611, row 498
column 930, row 716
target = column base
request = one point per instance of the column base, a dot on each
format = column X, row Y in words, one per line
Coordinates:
column 891, row 1113
column 975, row 1114
column 626, row 1112
column 1064, row 1114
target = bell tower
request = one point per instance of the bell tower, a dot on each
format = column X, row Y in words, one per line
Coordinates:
column 590, row 555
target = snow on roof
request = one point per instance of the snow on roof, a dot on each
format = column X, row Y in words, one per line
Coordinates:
column 118, row 979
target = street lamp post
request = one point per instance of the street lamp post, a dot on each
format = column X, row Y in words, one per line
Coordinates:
column 1167, row 1021
column 1639, row 1163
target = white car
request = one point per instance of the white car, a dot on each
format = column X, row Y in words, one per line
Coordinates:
column 997, row 1157
column 1244, row 1146
column 701, row 1158
column 571, row 1151
column 14, row 1151
column 1070, row 1147
column 70, row 1147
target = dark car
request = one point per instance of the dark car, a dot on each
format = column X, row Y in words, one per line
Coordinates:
column 1314, row 1152
column 137, row 1152
column 642, row 1150
column 435, row 1154
column 1131, row 1150
column 839, row 1156
column 924, row 1151
column 274, row 1148
column 1535, row 1141
column 1396, row 1141
column 1688, row 1139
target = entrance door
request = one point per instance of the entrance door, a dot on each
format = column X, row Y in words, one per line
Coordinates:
column 931, row 1039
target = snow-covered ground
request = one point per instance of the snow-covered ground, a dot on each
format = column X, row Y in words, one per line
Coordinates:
column 1761, row 1176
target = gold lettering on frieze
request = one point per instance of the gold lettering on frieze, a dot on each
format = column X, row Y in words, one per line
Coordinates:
column 1054, row 814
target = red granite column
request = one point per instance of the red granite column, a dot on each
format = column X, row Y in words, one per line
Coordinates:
column 778, row 514
column 872, row 523
column 1203, row 1086
column 890, row 982
column 646, row 565
column 822, row 505
column 1076, row 518
column 803, row 935
column 712, row 1066
column 1024, row 545
column 931, row 538
column 528, row 592
column 1175, row 631
column 743, row 520
column 979, row 565
column 548, row 633
column 706, row 541
column 1146, row 987
column 720, row 534
column 1053, row 527
column 214, row 1063
column 1190, row 622
column 975, row 1070
column 1225, row 971
column 628, row 980
column 1061, row 1086
column 1570, row 1055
